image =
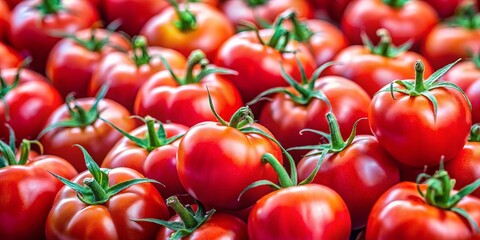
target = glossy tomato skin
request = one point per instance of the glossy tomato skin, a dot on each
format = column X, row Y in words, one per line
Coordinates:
column 212, row 29
column 240, row 11
column 401, row 213
column 28, row 105
column 362, row 169
column 69, row 58
column 10, row 57
column 302, row 212
column 409, row 123
column 97, row 138
column 285, row 119
column 124, row 77
column 71, row 218
column 259, row 66
column 227, row 161
column 412, row 21
column 27, row 194
column 371, row 71
column 159, row 164
column 33, row 32
column 473, row 93
column 445, row 44
column 164, row 99
column 219, row 226
column 4, row 21
column 444, row 8
column 465, row 167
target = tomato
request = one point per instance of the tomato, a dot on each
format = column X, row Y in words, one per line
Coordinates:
column 27, row 102
column 373, row 67
column 268, row 54
column 357, row 167
column 77, row 122
column 152, row 153
column 125, row 73
column 102, row 203
column 28, row 191
column 189, row 27
column 444, row 8
column 182, row 97
column 418, row 116
column 335, row 9
column 412, row 211
column 10, row 57
column 405, row 20
column 241, row 11
column 36, row 25
column 452, row 40
column 5, row 15
column 226, row 157
column 79, row 55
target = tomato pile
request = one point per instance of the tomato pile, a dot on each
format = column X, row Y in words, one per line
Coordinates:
column 240, row 119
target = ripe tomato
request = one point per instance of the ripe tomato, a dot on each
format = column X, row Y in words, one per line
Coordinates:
column 10, row 57
column 28, row 191
column 187, row 27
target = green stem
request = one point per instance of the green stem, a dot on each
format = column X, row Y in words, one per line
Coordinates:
column 237, row 119
column 98, row 192
column 185, row 215
column 337, row 142
column 82, row 115
column 187, row 21
column 140, row 43
column 50, row 6
column 419, row 79
column 255, row 3
column 24, row 152
column 474, row 133
column 395, row 3
column 284, row 178
column 154, row 141
column 195, row 58
column 385, row 42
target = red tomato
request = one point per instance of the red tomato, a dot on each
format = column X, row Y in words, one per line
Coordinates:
column 182, row 97
column 419, row 116
column 5, row 15
column 35, row 23
column 452, row 40
column 28, row 191
column 240, row 11
column 373, row 67
column 10, row 57
column 301, row 212
column 153, row 154
column 77, row 122
column 27, row 102
column 333, row 9
column 125, row 73
column 189, row 27
column 444, row 8
column 405, row 20
column 79, row 56
column 98, row 204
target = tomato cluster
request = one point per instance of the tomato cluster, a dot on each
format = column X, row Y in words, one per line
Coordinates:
column 239, row 119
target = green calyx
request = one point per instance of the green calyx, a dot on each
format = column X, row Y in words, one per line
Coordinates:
column 9, row 152
column 474, row 133
column 439, row 193
column 5, row 87
column 79, row 117
column 47, row 7
column 197, row 57
column 385, row 47
column 466, row 16
column 153, row 139
column 396, row 3
column 94, row 44
column 300, row 32
column 304, row 93
column 279, row 39
column 95, row 190
column 140, row 51
column 186, row 19
column 191, row 220
column 255, row 3
column 421, row 87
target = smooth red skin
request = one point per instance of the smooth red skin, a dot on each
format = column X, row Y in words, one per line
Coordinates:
column 27, row 194
column 444, row 8
column 97, row 138
column 465, row 167
column 227, row 161
column 259, row 66
column 10, row 57
column 32, row 32
column 70, row 218
column 29, row 104
column 5, row 15
column 68, row 58
column 473, row 93
column 160, row 164
column 401, row 213
column 463, row 74
column 362, row 169
column 445, row 44
column 285, row 119
column 333, row 9
column 125, row 78
column 164, row 99
column 219, row 226
column 302, row 212
column 407, row 129
column 212, row 30
column 372, row 72
column 413, row 21
column 238, row 11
